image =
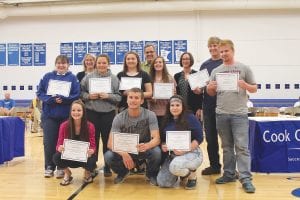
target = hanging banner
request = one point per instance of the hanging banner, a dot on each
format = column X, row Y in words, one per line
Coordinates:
column 39, row 54
column 165, row 50
column 109, row 49
column 26, row 54
column 94, row 48
column 2, row 54
column 13, row 54
column 67, row 50
column 180, row 46
column 121, row 49
column 138, row 47
column 80, row 49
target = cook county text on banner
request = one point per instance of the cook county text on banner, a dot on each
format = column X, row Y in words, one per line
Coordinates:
column 275, row 145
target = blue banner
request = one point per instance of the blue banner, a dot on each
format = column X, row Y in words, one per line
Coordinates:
column 80, row 49
column 39, row 54
column 26, row 54
column 94, row 48
column 165, row 50
column 275, row 146
column 13, row 54
column 138, row 47
column 121, row 49
column 2, row 54
column 180, row 46
column 109, row 49
column 67, row 50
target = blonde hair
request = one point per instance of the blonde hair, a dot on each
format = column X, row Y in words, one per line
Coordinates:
column 213, row 40
column 227, row 43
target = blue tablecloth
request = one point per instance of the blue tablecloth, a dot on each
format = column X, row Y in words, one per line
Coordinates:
column 275, row 145
column 12, row 130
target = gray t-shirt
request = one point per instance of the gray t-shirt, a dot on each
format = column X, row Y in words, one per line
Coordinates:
column 230, row 102
column 141, row 125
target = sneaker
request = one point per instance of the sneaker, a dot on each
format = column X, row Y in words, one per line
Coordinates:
column 48, row 173
column 191, row 184
column 60, row 173
column 94, row 173
column 107, row 172
column 225, row 179
column 248, row 187
column 120, row 178
column 210, row 171
column 153, row 181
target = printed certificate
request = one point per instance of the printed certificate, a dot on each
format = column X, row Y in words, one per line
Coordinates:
column 75, row 150
column 178, row 140
column 198, row 79
column 125, row 142
column 227, row 81
column 97, row 85
column 56, row 87
column 129, row 82
column 163, row 90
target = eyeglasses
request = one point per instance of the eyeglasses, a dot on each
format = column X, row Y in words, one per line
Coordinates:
column 186, row 59
column 147, row 52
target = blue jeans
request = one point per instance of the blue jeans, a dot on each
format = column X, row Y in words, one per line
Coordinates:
column 233, row 130
column 152, row 157
column 179, row 166
column 50, row 129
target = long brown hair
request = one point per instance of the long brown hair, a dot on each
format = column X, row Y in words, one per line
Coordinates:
column 125, row 66
column 181, row 122
column 165, row 73
column 84, row 130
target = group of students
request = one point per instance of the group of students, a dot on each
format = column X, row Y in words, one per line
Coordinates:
column 64, row 116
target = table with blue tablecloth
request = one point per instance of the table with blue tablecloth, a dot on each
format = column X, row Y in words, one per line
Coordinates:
column 12, row 131
column 274, row 144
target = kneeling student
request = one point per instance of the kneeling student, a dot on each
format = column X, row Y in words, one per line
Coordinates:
column 76, row 128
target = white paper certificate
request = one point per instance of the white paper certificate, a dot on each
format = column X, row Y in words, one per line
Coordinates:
column 227, row 81
column 125, row 142
column 97, row 85
column 75, row 150
column 163, row 90
column 179, row 140
column 198, row 79
column 129, row 82
column 56, row 87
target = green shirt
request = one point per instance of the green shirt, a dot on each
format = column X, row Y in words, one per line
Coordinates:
column 146, row 66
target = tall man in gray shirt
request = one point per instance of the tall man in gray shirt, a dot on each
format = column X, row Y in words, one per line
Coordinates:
column 231, row 117
column 138, row 120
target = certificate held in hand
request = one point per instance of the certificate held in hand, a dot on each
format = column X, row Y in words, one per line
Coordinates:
column 75, row 150
column 163, row 90
column 125, row 142
column 198, row 79
column 227, row 81
column 178, row 140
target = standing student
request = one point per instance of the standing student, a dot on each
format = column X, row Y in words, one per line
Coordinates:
column 159, row 74
column 76, row 128
column 132, row 69
column 101, row 106
column 180, row 163
column 88, row 66
column 209, row 110
column 232, row 118
column 56, row 107
column 150, row 54
column 193, row 98
column 138, row 120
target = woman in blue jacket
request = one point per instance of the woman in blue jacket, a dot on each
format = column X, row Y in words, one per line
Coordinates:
column 57, row 90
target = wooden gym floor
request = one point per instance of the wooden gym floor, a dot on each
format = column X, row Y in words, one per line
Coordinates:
column 22, row 178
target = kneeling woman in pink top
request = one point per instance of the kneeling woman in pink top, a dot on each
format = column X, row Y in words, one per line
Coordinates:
column 76, row 128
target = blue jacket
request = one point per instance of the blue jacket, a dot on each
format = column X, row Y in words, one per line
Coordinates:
column 50, row 107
